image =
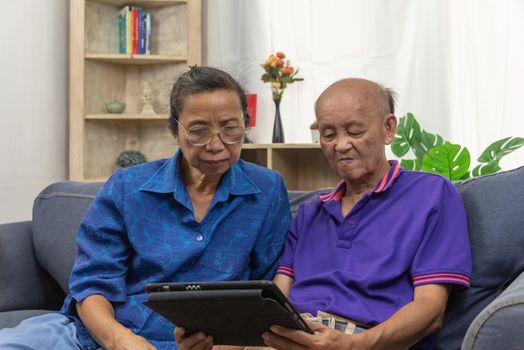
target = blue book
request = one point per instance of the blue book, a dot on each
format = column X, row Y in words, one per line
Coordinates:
column 140, row 31
column 122, row 30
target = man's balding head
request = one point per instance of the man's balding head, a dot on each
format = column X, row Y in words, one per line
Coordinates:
column 363, row 93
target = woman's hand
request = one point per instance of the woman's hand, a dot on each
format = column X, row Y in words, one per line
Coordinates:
column 197, row 341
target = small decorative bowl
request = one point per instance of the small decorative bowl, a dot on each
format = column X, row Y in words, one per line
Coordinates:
column 115, row 107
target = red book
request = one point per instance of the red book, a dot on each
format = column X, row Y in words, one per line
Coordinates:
column 252, row 108
column 135, row 30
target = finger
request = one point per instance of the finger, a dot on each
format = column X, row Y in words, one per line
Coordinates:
column 179, row 334
column 294, row 335
column 280, row 343
column 316, row 326
column 197, row 341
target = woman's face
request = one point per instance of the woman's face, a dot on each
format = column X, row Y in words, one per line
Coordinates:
column 213, row 110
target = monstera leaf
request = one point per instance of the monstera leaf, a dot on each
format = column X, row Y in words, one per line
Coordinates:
column 449, row 160
column 408, row 135
column 433, row 154
column 411, row 164
column 428, row 141
column 500, row 148
column 493, row 153
column 486, row 168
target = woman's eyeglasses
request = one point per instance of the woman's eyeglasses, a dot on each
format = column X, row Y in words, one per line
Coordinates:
column 199, row 135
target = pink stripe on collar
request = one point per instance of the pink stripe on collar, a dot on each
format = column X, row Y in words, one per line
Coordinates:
column 335, row 193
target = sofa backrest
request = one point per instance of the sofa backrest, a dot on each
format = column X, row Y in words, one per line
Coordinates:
column 57, row 212
column 495, row 210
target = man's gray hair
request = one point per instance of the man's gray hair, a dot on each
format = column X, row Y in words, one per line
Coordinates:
column 390, row 98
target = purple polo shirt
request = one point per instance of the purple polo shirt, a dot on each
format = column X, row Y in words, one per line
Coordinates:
column 410, row 231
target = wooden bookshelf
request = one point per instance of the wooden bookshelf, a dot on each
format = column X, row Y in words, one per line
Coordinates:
column 98, row 74
column 302, row 166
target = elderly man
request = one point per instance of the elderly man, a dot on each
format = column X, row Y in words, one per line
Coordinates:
column 384, row 248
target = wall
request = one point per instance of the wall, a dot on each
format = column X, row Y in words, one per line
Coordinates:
column 33, row 99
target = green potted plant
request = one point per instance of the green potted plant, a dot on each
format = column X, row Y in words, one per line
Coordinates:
column 129, row 158
column 435, row 155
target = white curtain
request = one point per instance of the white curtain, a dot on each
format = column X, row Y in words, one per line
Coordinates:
column 457, row 65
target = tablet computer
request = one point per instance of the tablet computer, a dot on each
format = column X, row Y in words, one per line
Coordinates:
column 232, row 312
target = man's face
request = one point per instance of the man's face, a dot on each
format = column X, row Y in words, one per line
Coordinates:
column 354, row 131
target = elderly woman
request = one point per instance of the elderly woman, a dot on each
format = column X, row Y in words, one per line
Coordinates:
column 201, row 215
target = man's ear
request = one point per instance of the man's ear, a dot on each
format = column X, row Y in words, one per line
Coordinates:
column 390, row 128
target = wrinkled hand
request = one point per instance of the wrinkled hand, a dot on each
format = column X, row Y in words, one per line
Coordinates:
column 131, row 341
column 197, row 341
column 325, row 338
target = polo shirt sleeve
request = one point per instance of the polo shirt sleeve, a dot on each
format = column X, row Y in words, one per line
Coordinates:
column 270, row 240
column 103, row 248
column 444, row 253
column 285, row 264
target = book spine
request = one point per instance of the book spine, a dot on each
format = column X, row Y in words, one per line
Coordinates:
column 135, row 29
column 122, row 25
column 129, row 31
column 121, row 33
column 140, row 31
column 148, row 33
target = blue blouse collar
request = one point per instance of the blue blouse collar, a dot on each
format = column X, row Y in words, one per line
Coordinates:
column 168, row 179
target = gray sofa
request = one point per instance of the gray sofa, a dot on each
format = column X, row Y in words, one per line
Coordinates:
column 36, row 258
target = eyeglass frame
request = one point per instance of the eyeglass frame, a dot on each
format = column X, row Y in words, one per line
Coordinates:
column 213, row 133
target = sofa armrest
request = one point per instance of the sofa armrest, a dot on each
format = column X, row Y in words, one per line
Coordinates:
column 500, row 324
column 25, row 284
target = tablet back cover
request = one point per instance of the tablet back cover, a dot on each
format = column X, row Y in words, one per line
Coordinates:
column 231, row 317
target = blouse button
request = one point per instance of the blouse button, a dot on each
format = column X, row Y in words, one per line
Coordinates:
column 199, row 238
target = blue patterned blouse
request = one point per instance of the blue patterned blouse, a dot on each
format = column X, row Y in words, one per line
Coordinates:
column 141, row 229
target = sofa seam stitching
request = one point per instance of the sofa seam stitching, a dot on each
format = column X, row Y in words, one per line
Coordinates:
column 64, row 194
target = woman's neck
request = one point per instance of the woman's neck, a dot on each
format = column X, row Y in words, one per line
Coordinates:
column 197, row 181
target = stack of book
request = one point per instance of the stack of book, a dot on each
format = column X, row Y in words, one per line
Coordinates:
column 134, row 30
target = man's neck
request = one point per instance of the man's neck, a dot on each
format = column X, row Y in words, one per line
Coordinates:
column 357, row 189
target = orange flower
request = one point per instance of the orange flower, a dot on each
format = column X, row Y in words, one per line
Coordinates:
column 288, row 70
column 281, row 55
column 280, row 63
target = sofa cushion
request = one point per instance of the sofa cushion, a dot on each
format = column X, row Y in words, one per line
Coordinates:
column 495, row 210
column 57, row 212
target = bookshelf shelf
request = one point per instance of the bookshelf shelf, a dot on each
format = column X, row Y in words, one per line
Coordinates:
column 135, row 58
column 143, row 3
column 125, row 116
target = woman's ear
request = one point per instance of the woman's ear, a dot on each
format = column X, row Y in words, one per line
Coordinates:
column 174, row 133
column 390, row 128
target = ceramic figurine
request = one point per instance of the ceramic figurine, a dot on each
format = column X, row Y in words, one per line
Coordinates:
column 147, row 99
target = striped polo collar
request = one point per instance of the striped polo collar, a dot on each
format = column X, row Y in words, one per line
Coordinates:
column 386, row 182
